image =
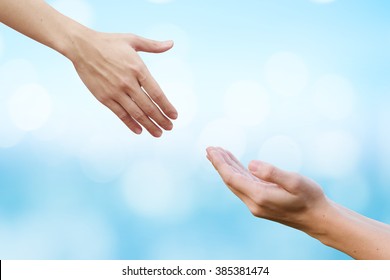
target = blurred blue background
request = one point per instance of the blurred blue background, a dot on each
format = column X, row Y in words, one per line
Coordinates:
column 302, row 84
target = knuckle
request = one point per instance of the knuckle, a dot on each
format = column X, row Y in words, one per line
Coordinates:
column 158, row 97
column 124, row 83
column 104, row 99
column 256, row 211
column 139, row 116
column 229, row 179
column 295, row 182
column 269, row 172
column 123, row 116
column 137, row 68
column 259, row 199
column 150, row 110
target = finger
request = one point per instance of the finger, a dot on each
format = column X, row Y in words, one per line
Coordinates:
column 220, row 163
column 256, row 195
column 147, row 45
column 138, row 115
column 228, row 161
column 150, row 109
column 230, row 158
column 125, row 117
column 237, row 164
column 229, row 173
column 152, row 88
column 270, row 173
column 216, row 159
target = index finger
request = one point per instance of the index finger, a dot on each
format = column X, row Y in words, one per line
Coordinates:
column 153, row 89
column 223, row 169
column 229, row 173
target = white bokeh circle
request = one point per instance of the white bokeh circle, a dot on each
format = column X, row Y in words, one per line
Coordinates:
column 81, row 236
column 103, row 157
column 29, row 107
column 10, row 135
column 14, row 73
column 333, row 154
column 247, row 103
column 152, row 191
column 79, row 10
column 283, row 152
column 334, row 97
column 341, row 190
column 171, row 70
column 223, row 133
column 183, row 98
column 286, row 74
column 383, row 148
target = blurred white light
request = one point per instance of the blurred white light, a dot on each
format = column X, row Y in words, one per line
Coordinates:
column 168, row 70
column 103, row 157
column 286, row 74
column 334, row 97
column 341, row 190
column 184, row 100
column 175, row 248
column 14, row 73
column 30, row 107
column 333, row 154
column 383, row 150
column 88, row 118
column 53, row 129
column 78, row 10
column 178, row 147
column 283, row 152
column 223, row 133
column 47, row 237
column 86, row 236
column 246, row 103
column 16, row 244
column 153, row 191
column 10, row 135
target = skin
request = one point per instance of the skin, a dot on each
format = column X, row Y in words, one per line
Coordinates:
column 107, row 63
column 297, row 201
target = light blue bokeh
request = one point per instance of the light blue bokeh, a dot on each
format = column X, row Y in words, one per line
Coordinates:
column 83, row 187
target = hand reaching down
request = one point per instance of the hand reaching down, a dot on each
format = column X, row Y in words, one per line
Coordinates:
column 107, row 63
column 112, row 70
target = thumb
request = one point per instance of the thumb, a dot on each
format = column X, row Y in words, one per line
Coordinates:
column 152, row 46
column 270, row 173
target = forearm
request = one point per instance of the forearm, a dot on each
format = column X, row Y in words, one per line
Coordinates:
column 352, row 233
column 39, row 21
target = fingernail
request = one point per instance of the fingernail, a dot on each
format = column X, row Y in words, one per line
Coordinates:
column 173, row 115
column 138, row 130
column 157, row 133
column 169, row 126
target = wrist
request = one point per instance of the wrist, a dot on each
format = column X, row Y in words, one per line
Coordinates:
column 323, row 221
column 75, row 36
